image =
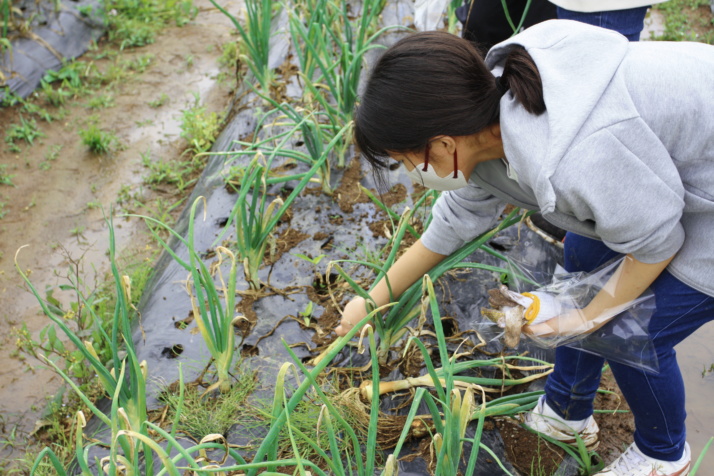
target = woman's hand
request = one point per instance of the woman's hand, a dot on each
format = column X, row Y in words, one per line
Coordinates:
column 355, row 311
column 410, row 267
column 570, row 323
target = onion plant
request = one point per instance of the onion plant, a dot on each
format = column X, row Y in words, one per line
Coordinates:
column 361, row 459
column 335, row 45
column 122, row 379
column 213, row 304
column 453, row 408
column 320, row 140
column 255, row 219
column 489, row 385
column 391, row 326
column 255, row 36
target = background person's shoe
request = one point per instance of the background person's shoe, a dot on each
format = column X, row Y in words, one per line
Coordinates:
column 633, row 463
column 542, row 419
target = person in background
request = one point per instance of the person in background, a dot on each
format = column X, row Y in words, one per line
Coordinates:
column 485, row 23
column 623, row 16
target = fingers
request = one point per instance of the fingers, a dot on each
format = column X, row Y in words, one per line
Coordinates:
column 540, row 330
column 354, row 312
column 343, row 328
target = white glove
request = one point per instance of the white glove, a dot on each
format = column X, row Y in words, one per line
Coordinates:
column 539, row 306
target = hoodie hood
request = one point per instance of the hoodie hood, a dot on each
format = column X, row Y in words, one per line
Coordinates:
column 577, row 63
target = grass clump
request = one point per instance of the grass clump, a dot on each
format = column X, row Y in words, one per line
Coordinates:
column 199, row 127
column 98, row 140
column 133, row 24
column 201, row 415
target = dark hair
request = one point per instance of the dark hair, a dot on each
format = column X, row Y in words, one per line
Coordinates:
column 435, row 83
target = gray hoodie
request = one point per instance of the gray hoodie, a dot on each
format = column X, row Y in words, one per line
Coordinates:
column 623, row 154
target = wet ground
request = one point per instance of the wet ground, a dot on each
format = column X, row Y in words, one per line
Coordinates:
column 53, row 209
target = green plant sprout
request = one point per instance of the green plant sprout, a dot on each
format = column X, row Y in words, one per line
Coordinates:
column 26, row 131
column 5, row 179
column 199, row 127
column 255, row 39
column 97, row 140
column 307, row 313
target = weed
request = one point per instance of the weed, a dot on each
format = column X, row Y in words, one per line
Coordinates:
column 204, row 415
column 93, row 205
column 177, row 173
column 56, row 96
column 199, row 127
column 135, row 24
column 189, row 61
column 53, row 152
column 35, row 110
column 687, row 20
column 160, row 101
column 141, row 63
column 145, row 123
column 27, row 131
column 3, row 212
column 77, row 231
column 98, row 141
column 5, row 179
column 229, row 55
column 706, row 371
column 72, row 74
column 124, row 196
column 134, row 34
column 101, row 101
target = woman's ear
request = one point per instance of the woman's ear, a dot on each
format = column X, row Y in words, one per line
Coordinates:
column 445, row 144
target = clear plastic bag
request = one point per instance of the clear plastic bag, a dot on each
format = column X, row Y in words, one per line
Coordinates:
column 617, row 334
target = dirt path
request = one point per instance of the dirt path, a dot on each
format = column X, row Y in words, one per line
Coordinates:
column 48, row 207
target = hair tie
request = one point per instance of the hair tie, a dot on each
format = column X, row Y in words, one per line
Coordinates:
column 501, row 85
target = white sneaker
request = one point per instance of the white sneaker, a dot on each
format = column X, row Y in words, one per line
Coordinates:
column 542, row 419
column 633, row 463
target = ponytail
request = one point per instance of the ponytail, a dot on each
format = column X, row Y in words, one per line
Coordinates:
column 521, row 75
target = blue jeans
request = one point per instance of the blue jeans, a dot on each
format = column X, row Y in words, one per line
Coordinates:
column 656, row 400
column 629, row 22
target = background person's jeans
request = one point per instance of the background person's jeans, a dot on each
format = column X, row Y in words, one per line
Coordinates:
column 629, row 22
column 656, row 400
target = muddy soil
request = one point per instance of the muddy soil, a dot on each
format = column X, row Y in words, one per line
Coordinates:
column 50, row 207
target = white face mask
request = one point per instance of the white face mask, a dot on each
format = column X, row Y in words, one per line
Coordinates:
column 427, row 177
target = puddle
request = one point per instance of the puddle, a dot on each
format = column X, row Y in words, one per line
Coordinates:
column 696, row 357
